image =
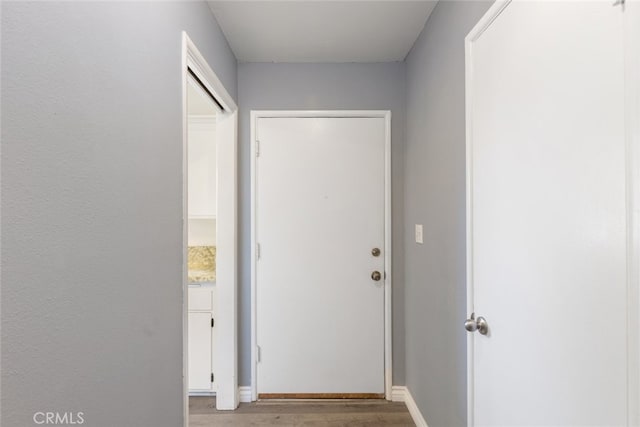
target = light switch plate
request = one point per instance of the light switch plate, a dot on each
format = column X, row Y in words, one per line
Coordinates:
column 419, row 238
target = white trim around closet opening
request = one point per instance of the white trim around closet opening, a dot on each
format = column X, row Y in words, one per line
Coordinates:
column 631, row 22
column 226, row 345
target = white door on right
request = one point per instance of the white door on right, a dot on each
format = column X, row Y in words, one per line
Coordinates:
column 548, row 216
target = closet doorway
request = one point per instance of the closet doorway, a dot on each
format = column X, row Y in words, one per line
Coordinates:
column 209, row 234
column 202, row 111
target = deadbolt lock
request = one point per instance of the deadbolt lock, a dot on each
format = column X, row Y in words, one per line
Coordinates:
column 375, row 252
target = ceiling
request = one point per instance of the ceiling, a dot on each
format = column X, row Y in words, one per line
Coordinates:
column 321, row 31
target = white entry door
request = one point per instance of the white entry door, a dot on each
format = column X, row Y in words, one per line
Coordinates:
column 320, row 206
column 548, row 216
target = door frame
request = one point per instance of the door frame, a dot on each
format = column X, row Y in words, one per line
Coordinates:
column 386, row 114
column 226, row 346
column 631, row 10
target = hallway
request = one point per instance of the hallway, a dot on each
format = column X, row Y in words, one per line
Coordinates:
column 370, row 413
column 407, row 212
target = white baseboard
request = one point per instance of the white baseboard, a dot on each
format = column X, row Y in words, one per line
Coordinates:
column 402, row 394
column 202, row 393
column 398, row 393
column 245, row 394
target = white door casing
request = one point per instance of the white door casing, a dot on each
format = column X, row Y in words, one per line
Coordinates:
column 632, row 122
column 226, row 234
column 321, row 205
column 550, row 201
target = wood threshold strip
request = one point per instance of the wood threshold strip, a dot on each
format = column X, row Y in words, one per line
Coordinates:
column 321, row 396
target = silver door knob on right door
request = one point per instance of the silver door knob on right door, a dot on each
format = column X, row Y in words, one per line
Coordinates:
column 480, row 324
column 376, row 276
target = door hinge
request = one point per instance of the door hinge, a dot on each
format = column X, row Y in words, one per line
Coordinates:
column 257, row 250
column 212, row 377
column 257, row 148
column 213, row 322
column 259, row 352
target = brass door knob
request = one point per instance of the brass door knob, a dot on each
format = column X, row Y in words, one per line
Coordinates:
column 376, row 276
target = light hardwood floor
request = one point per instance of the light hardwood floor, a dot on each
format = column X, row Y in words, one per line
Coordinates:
column 363, row 413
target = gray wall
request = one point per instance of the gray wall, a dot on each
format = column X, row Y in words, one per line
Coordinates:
column 435, row 284
column 92, row 207
column 322, row 87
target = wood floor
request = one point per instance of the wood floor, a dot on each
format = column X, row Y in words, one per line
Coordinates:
column 363, row 413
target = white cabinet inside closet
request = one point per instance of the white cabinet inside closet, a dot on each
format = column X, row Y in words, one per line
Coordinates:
column 202, row 171
column 201, row 339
